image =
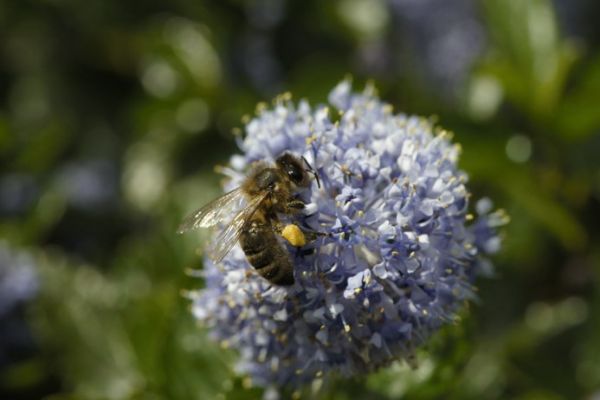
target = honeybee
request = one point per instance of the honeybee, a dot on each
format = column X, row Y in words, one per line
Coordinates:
column 267, row 191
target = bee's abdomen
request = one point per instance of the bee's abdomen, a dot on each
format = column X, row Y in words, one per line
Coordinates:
column 266, row 254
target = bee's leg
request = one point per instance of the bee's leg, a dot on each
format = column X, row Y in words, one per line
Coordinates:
column 295, row 205
column 277, row 227
column 311, row 235
column 292, row 233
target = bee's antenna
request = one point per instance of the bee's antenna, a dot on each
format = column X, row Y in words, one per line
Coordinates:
column 312, row 171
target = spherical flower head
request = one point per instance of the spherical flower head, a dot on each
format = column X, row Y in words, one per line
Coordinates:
column 393, row 256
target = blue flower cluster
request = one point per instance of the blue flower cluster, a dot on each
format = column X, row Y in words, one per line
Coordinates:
column 18, row 279
column 397, row 261
column 445, row 39
column 18, row 284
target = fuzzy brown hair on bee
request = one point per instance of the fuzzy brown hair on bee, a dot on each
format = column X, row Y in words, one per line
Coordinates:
column 269, row 190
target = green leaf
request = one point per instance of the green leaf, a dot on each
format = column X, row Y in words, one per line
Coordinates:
column 529, row 57
column 578, row 116
column 520, row 184
column 126, row 335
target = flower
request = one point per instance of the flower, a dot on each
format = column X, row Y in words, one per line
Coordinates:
column 397, row 258
column 18, row 284
column 18, row 280
column 444, row 39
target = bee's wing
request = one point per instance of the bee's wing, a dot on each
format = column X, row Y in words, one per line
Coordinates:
column 214, row 212
column 230, row 235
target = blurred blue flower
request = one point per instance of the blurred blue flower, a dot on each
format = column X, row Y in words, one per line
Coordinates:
column 399, row 259
column 18, row 192
column 445, row 39
column 18, row 284
column 18, row 281
column 90, row 185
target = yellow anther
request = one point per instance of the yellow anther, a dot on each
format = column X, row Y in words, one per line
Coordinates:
column 310, row 139
column 261, row 107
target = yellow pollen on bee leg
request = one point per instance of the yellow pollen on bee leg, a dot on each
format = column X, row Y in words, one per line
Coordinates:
column 294, row 235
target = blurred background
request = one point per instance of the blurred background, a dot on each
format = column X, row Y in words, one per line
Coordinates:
column 114, row 113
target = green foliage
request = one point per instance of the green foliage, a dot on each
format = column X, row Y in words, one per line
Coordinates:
column 128, row 336
column 529, row 57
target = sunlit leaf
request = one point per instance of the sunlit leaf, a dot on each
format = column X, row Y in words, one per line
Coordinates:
column 578, row 116
column 529, row 57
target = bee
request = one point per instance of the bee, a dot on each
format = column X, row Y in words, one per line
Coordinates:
column 268, row 190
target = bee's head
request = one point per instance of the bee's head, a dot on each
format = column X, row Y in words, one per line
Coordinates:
column 292, row 167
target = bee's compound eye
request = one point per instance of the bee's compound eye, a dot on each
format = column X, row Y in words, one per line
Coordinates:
column 295, row 174
column 293, row 168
